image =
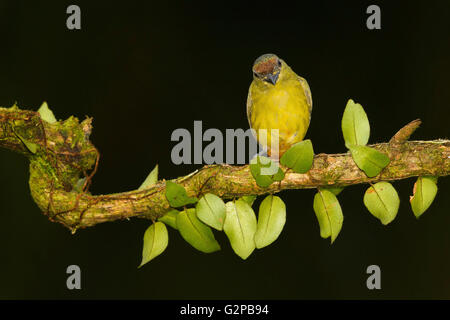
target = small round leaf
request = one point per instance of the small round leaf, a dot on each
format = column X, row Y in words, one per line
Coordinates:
column 211, row 210
column 31, row 146
column 425, row 190
column 195, row 232
column 177, row 195
column 265, row 171
column 329, row 214
column 240, row 227
column 151, row 179
column 156, row 239
column 369, row 160
column 271, row 220
column 355, row 124
column 249, row 199
column 299, row 157
column 334, row 190
column 47, row 114
column 170, row 218
column 382, row 201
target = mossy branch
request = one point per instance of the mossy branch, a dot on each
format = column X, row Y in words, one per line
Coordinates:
column 63, row 162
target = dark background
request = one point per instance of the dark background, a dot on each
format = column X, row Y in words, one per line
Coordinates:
column 143, row 69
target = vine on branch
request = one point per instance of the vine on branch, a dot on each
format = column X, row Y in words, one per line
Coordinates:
column 63, row 162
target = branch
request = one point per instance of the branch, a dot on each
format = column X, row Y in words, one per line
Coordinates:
column 61, row 156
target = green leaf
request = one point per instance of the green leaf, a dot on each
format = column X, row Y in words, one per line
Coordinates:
column 279, row 176
column 47, row 114
column 434, row 179
column 425, row 190
column 265, row 171
column 156, row 239
column 240, row 227
column 355, row 124
column 382, row 201
column 151, row 179
column 170, row 218
column 334, row 190
column 329, row 214
column 31, row 146
column 249, row 199
column 271, row 220
column 195, row 232
column 177, row 195
column 299, row 157
column 211, row 210
column 369, row 160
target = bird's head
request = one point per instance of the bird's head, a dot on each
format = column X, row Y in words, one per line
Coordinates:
column 267, row 68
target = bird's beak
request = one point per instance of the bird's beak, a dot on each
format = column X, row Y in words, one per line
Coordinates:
column 272, row 78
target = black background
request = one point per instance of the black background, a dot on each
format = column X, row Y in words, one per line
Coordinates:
column 143, row 69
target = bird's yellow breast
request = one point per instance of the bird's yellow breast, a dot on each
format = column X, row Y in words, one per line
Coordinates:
column 283, row 106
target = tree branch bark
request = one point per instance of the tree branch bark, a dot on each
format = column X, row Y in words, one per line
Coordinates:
column 61, row 153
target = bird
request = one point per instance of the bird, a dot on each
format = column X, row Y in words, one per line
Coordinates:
column 278, row 99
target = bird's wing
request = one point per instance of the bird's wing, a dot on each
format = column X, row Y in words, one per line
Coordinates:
column 249, row 106
column 307, row 91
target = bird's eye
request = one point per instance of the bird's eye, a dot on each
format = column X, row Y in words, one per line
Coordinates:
column 255, row 74
column 279, row 63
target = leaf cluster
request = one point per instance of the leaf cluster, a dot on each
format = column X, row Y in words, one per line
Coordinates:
column 195, row 218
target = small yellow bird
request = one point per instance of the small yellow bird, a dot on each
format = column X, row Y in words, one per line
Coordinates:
column 278, row 99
